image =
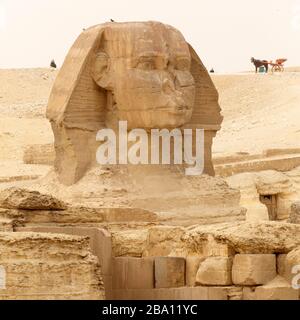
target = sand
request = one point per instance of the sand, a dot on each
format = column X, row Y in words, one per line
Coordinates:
column 260, row 112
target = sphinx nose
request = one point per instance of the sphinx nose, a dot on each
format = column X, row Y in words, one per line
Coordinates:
column 168, row 86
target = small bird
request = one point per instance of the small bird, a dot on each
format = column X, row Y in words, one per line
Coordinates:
column 111, row 20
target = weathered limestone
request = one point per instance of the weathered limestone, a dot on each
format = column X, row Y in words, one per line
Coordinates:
column 133, row 273
column 39, row 154
column 294, row 256
column 253, row 185
column 87, row 95
column 246, row 237
column 212, row 248
column 45, row 266
column 192, row 266
column 100, row 245
column 169, row 272
column 6, row 225
column 16, row 198
column 129, row 242
column 295, row 213
column 198, row 293
column 215, row 271
column 253, row 269
column 245, row 182
column 164, row 241
column 282, row 265
column 292, row 265
column 277, row 289
column 249, row 293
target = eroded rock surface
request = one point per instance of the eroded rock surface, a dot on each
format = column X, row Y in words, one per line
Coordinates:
column 245, row 237
column 295, row 213
column 18, row 198
column 49, row 266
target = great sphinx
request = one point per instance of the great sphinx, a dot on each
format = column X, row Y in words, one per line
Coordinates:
column 142, row 72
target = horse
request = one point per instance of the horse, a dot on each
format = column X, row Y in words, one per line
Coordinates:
column 260, row 63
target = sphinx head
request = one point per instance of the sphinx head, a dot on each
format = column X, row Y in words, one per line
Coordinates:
column 145, row 69
column 144, row 73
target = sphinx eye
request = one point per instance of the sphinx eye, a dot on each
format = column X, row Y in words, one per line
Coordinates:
column 183, row 64
column 146, row 63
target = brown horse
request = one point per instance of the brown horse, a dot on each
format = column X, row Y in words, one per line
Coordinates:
column 260, row 63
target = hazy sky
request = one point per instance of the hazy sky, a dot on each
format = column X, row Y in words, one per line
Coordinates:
column 225, row 33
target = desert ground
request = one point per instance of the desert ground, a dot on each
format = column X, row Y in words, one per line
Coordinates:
column 260, row 112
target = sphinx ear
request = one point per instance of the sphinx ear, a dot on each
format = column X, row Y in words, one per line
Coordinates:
column 101, row 72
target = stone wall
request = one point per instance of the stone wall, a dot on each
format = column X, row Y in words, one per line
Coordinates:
column 100, row 246
column 45, row 267
column 237, row 277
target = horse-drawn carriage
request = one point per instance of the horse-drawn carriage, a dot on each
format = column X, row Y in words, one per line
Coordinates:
column 277, row 66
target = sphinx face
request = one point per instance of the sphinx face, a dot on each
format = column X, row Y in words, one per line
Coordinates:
column 145, row 67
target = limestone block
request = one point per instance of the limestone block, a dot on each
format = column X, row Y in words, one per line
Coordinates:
column 295, row 213
column 215, row 271
column 48, row 266
column 198, row 293
column 277, row 289
column 133, row 273
column 162, row 240
column 249, row 293
column 203, row 293
column 164, row 294
column 17, row 198
column 169, row 272
column 122, row 294
column 183, row 293
column 292, row 265
column 119, row 273
column 253, row 269
column 234, row 293
column 249, row 237
column 141, row 294
column 293, row 257
column 280, row 261
column 216, row 293
column 129, row 242
column 212, row 248
column 192, row 266
column 140, row 273
column 107, row 280
column 282, row 267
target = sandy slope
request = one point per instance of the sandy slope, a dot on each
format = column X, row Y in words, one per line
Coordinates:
column 23, row 99
column 261, row 111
